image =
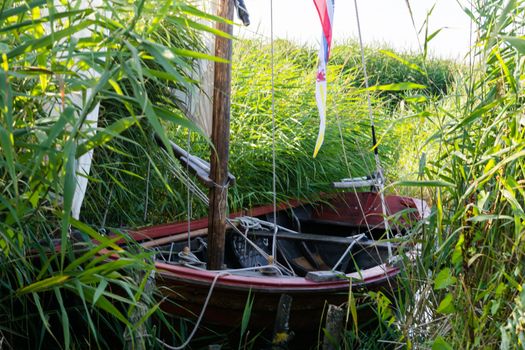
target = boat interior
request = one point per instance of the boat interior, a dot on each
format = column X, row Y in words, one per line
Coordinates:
column 304, row 245
column 310, row 219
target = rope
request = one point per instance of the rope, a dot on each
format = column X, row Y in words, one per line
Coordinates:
column 371, row 117
column 188, row 191
column 242, row 269
column 147, row 191
column 197, row 324
column 274, row 172
column 253, row 222
column 188, row 257
column 350, row 246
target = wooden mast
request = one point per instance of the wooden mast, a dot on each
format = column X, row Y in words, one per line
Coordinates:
column 220, row 138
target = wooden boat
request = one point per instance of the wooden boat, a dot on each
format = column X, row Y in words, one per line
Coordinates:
column 323, row 248
column 315, row 253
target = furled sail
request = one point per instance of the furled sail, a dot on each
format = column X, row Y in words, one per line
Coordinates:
column 78, row 99
column 196, row 102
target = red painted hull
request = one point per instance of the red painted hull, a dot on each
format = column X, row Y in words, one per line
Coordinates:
column 186, row 288
column 187, row 292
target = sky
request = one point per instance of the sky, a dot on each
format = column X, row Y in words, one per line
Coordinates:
column 382, row 22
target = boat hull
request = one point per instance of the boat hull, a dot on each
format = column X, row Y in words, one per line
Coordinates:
column 185, row 289
column 229, row 296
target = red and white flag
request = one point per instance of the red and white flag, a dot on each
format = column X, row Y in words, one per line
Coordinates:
column 325, row 8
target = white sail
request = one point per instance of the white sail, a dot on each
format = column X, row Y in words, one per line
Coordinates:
column 78, row 99
column 83, row 163
column 197, row 102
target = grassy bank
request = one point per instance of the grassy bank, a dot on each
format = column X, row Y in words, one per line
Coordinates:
column 143, row 53
column 346, row 151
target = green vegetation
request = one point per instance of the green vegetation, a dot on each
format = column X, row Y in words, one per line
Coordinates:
column 386, row 67
column 72, row 298
column 465, row 290
column 347, row 148
column 346, row 152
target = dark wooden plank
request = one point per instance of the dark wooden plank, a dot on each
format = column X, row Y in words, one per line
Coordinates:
column 333, row 328
column 281, row 331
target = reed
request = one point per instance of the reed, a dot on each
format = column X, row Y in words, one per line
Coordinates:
column 125, row 162
column 346, row 151
column 75, row 296
column 465, row 290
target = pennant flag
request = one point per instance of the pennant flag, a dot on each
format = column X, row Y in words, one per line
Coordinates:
column 325, row 8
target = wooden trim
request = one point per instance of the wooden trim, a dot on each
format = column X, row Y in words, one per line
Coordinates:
column 176, row 238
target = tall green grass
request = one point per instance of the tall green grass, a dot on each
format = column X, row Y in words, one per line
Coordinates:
column 76, row 297
column 299, row 175
column 122, row 186
column 465, row 290
column 385, row 66
column 296, row 120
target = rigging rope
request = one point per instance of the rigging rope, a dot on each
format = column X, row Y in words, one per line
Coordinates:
column 147, row 190
column 197, row 324
column 274, row 175
column 379, row 170
column 178, row 171
column 188, row 192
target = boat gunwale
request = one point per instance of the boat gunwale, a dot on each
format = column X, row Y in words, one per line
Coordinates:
column 158, row 231
column 270, row 284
